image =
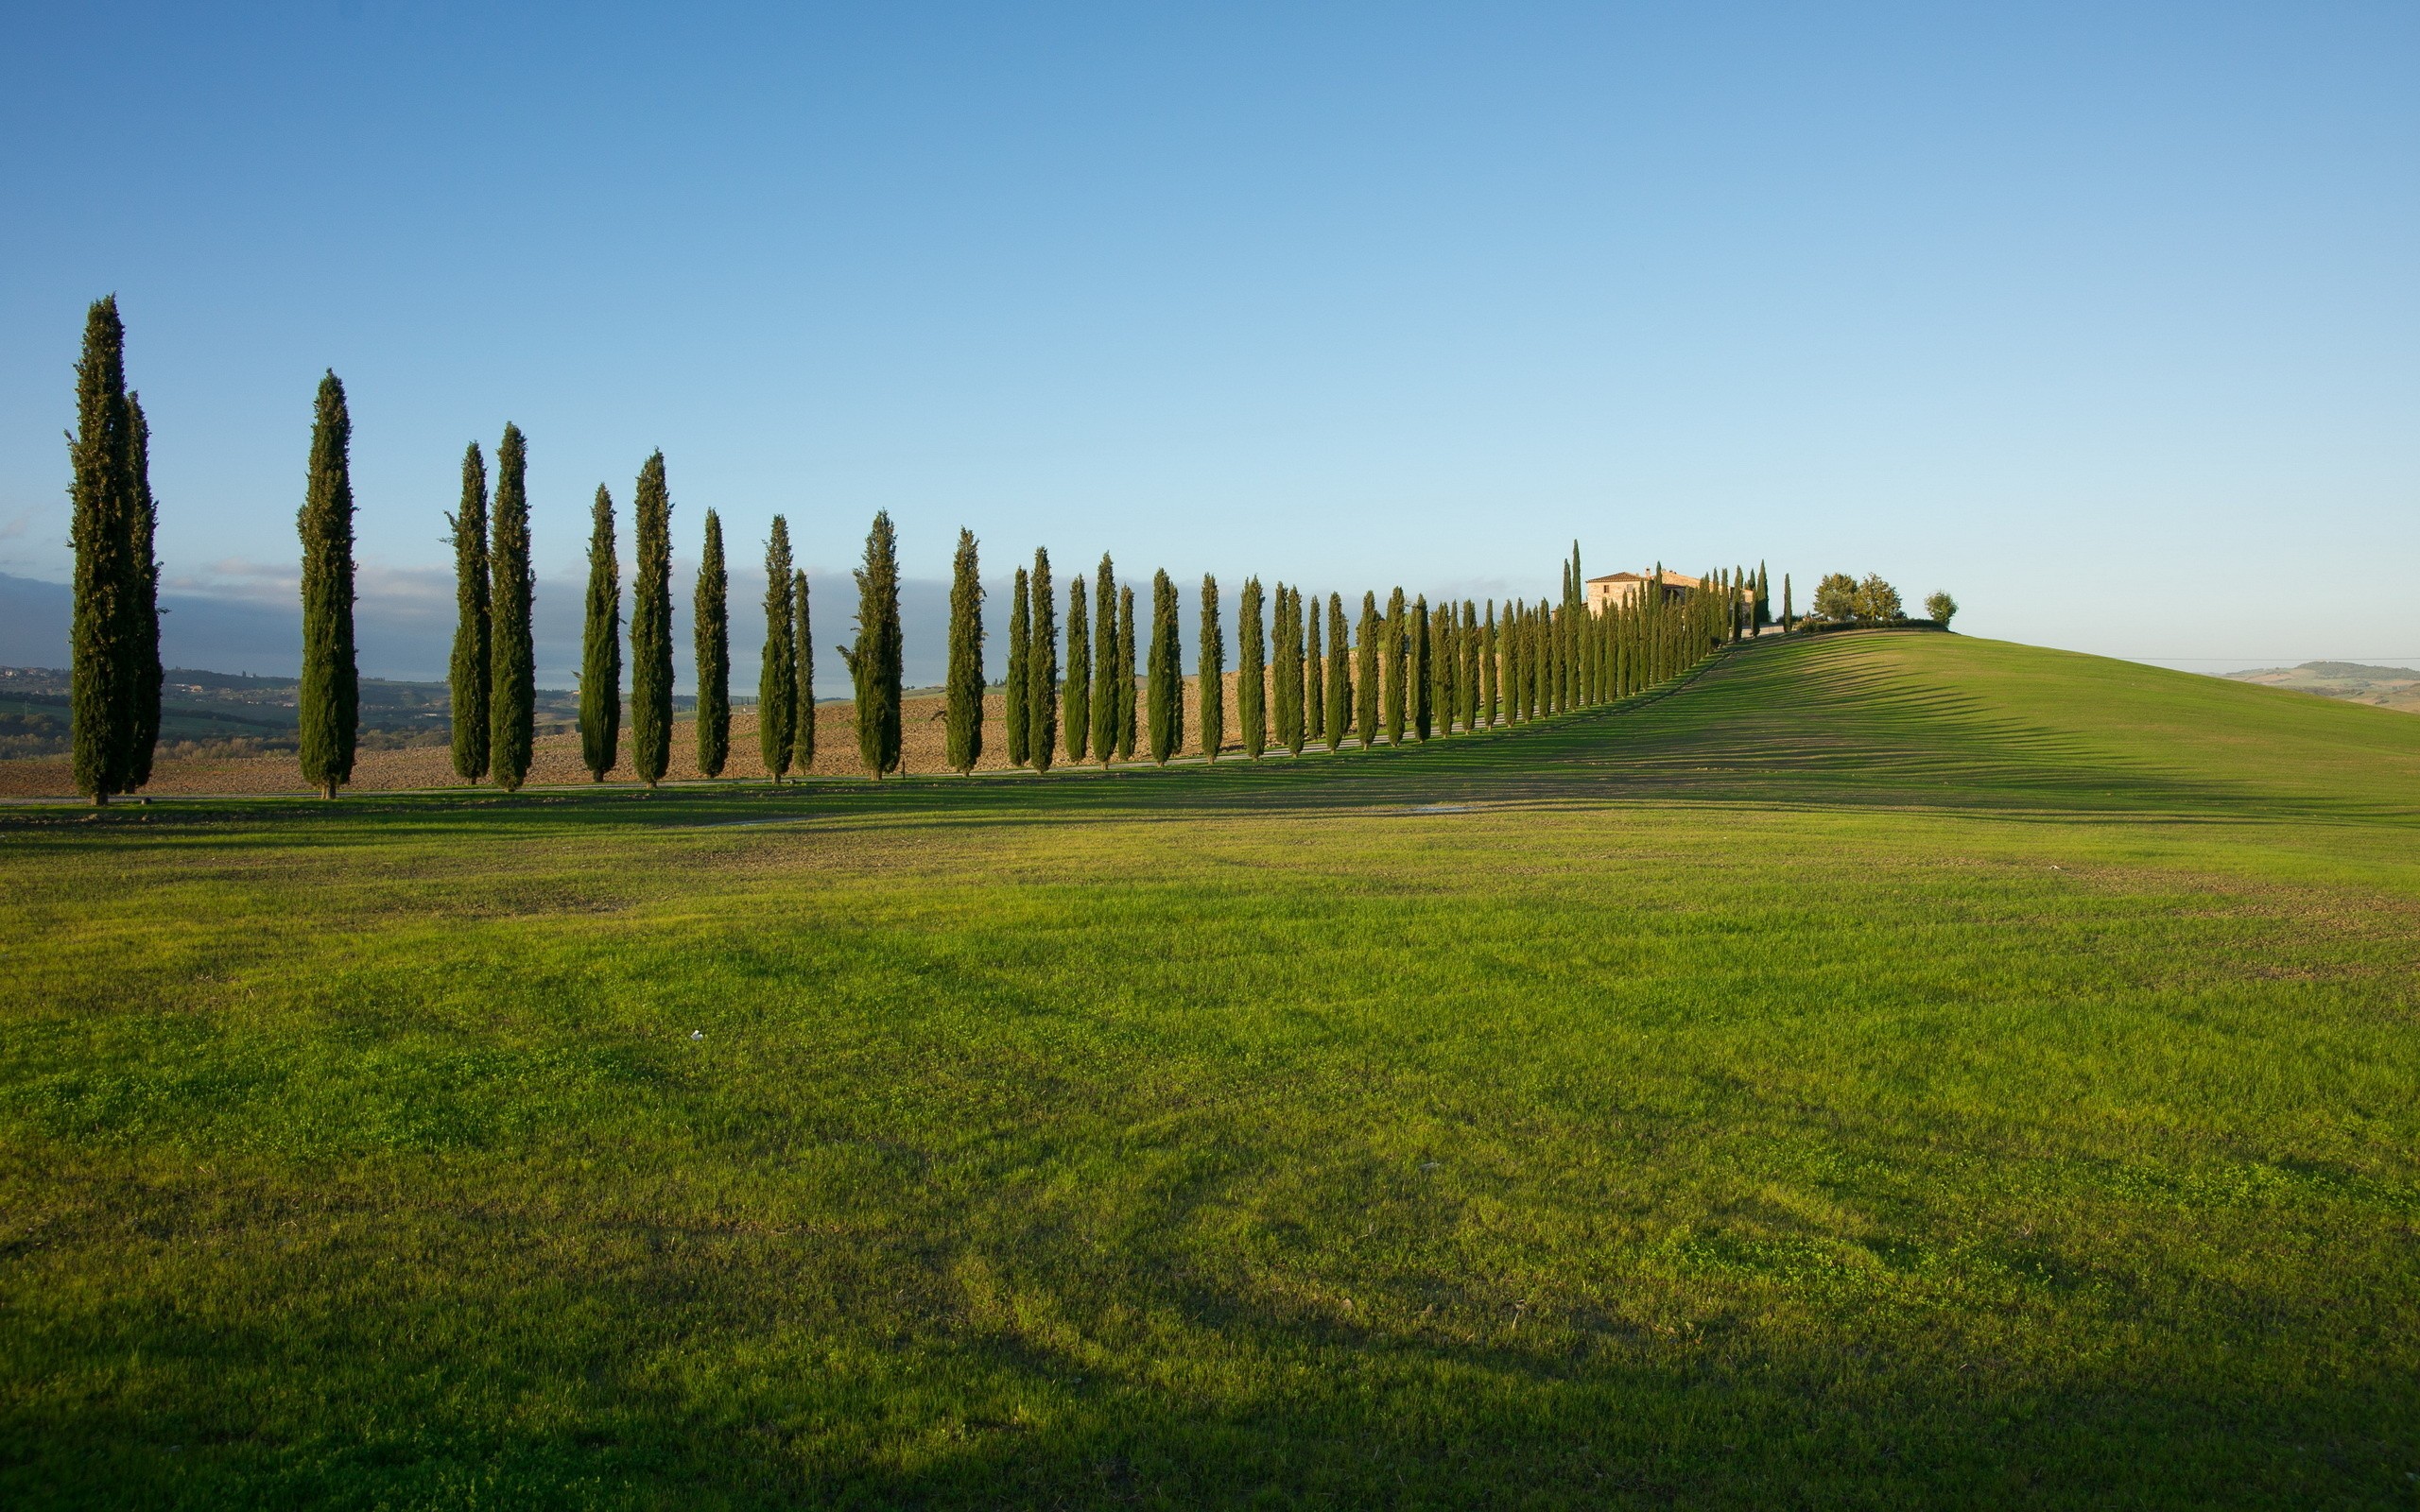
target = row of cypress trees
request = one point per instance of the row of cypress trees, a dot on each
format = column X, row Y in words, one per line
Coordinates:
column 1409, row 671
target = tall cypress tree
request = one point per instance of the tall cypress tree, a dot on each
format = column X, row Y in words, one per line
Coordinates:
column 1394, row 648
column 1785, row 601
column 1339, row 674
column 1370, row 685
column 512, row 661
column 1164, row 703
column 1212, row 664
column 1251, row 670
column 101, row 672
column 1042, row 668
column 1421, row 677
column 710, row 634
column 651, row 627
column 777, row 669
column 962, row 712
column 1080, row 672
column 144, row 615
column 327, row 700
column 1487, row 669
column 802, row 678
column 1126, row 674
column 874, row 661
column 1314, row 678
column 1107, row 707
column 468, row 672
column 1286, row 670
column 1020, row 650
column 600, row 651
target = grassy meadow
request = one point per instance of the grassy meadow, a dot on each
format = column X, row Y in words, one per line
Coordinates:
column 1895, row 1070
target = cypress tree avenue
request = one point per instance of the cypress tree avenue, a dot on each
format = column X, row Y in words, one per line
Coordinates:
column 776, row 669
column 600, row 649
column 710, row 636
column 327, row 699
column 512, row 661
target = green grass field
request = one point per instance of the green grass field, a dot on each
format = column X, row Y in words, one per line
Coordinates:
column 1896, row 1070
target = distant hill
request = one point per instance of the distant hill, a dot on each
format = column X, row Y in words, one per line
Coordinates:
column 2385, row 687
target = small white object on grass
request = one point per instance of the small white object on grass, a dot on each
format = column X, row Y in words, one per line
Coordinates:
column 697, row 1034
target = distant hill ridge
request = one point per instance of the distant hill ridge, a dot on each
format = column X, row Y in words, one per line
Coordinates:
column 2383, row 687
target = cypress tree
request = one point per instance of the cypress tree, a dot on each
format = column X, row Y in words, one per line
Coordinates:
column 777, row 668
column 1020, row 648
column 512, row 663
column 1286, row 671
column 1764, row 598
column 467, row 673
column 1107, row 708
column 1042, row 668
column 1487, row 669
column 1080, row 672
column 803, row 675
column 1314, row 678
column 1252, row 671
column 327, row 700
column 1395, row 641
column 1212, row 664
column 600, row 650
column 143, row 643
column 1785, row 601
column 1370, row 687
column 874, row 661
column 1431, row 653
column 1340, row 673
column 651, row 627
column 1164, row 701
column 710, row 636
column 1125, row 676
column 102, row 700
column 962, row 713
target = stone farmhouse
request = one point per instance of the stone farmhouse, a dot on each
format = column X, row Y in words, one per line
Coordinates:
column 1616, row 589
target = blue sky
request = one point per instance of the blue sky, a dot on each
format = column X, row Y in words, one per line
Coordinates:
column 2101, row 317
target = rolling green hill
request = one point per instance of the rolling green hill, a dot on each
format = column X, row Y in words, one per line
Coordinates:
column 1893, row 1070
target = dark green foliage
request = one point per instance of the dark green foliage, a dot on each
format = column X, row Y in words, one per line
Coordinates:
column 1211, row 666
column 1108, row 707
column 1042, row 669
column 1764, row 598
column 1487, row 662
column 1020, row 650
column 710, row 632
column 1315, row 702
column 802, row 671
column 1785, row 613
column 1285, row 669
column 1426, row 642
column 601, row 652
column 327, row 699
column 1163, row 704
column 143, row 645
column 651, row 627
column 102, row 533
column 777, row 709
column 1469, row 649
column 1339, row 674
column 1125, row 676
column 512, row 689
column 1251, row 670
column 468, row 672
column 963, row 683
column 1080, row 671
column 1370, row 653
column 875, row 660
column 1394, row 650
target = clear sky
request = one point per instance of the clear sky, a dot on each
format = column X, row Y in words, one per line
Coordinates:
column 2102, row 316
